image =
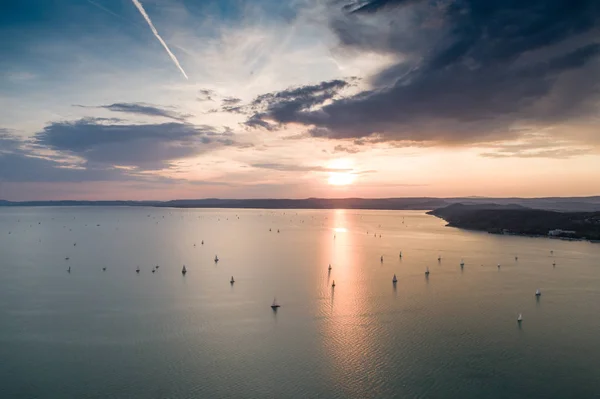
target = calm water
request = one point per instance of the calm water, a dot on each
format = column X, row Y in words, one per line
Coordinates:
column 116, row 334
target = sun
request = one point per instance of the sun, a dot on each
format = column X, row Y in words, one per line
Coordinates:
column 340, row 179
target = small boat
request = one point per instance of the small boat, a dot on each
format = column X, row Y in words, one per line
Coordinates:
column 269, row 229
column 183, row 270
column 400, row 254
column 278, row 230
column 553, row 263
column 538, row 292
column 153, row 270
column 69, row 269
column 394, row 280
column 439, row 258
column 216, row 258
column 498, row 265
column 137, row 270
column 329, row 267
column 104, row 269
column 462, row 263
column 202, row 242
column 74, row 244
column 232, row 280
column 67, row 258
column 333, row 284
column 157, row 266
column 275, row 305
column 381, row 258
column 520, row 318
column 516, row 258
column 427, row 272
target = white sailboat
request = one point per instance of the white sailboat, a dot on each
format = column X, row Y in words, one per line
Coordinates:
column 395, row 279
column 520, row 318
column 275, row 305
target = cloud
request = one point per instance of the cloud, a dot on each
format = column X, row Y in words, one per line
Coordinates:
column 145, row 147
column 467, row 71
column 143, row 109
column 284, row 105
column 205, row 95
column 231, row 101
column 537, row 146
column 18, row 163
column 297, row 168
column 348, row 149
column 140, row 8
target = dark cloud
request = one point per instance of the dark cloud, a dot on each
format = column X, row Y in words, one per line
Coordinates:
column 297, row 168
column 376, row 5
column 468, row 71
column 149, row 146
column 18, row 163
column 284, row 105
column 141, row 109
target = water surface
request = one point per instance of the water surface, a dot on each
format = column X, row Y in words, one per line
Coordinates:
column 118, row 334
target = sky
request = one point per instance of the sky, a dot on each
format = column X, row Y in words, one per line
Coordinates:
column 172, row 99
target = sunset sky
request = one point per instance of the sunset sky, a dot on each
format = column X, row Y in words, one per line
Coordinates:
column 166, row 99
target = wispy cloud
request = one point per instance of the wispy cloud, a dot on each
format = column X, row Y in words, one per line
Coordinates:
column 147, row 18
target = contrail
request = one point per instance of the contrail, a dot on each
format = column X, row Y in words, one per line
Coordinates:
column 147, row 18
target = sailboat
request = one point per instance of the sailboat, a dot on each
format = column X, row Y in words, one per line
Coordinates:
column 216, row 258
column 183, row 270
column 275, row 305
column 69, row 269
column 394, row 280
column 538, row 292
column 232, row 280
column 427, row 271
column 329, row 267
column 333, row 284
column 520, row 318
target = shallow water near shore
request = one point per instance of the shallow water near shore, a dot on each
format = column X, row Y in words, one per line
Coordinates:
column 119, row 334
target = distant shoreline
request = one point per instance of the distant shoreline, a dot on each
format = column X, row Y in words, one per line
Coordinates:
column 560, row 204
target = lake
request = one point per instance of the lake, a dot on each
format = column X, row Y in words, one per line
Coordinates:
column 119, row 334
